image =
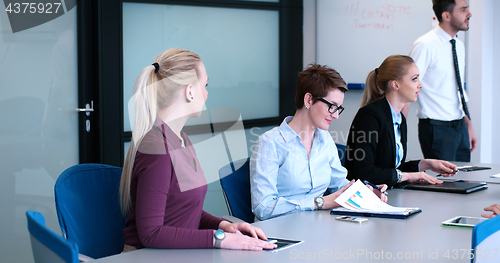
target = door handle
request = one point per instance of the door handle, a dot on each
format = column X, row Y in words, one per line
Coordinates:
column 88, row 108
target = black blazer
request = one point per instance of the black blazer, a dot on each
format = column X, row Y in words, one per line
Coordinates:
column 371, row 146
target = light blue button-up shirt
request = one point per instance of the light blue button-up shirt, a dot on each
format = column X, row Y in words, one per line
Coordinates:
column 396, row 120
column 283, row 180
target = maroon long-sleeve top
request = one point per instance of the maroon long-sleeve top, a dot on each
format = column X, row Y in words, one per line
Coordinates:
column 167, row 191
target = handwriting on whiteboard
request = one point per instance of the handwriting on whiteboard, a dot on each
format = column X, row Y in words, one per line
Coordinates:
column 380, row 18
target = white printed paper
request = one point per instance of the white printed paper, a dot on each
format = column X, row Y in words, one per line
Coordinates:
column 495, row 176
column 359, row 197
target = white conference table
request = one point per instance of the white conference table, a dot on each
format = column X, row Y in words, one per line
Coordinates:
column 481, row 175
column 420, row 238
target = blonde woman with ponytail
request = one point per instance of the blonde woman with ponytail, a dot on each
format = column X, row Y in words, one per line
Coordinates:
column 376, row 146
column 163, row 186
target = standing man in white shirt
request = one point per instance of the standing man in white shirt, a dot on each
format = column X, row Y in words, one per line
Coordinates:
column 444, row 130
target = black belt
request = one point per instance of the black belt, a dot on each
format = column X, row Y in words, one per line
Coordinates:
column 455, row 123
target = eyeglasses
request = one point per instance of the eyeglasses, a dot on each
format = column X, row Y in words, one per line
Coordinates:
column 332, row 108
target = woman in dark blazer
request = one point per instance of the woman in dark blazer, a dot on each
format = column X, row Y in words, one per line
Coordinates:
column 376, row 146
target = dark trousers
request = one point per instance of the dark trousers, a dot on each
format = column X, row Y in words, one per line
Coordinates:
column 444, row 140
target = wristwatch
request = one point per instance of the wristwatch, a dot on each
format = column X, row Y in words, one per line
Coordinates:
column 219, row 236
column 400, row 175
column 319, row 202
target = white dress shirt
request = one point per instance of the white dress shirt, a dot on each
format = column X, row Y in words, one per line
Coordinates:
column 439, row 97
column 396, row 121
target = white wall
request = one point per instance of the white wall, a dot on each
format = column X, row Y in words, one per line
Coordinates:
column 482, row 66
column 309, row 31
column 495, row 109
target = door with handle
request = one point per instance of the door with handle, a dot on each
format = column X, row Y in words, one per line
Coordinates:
column 39, row 130
column 88, row 109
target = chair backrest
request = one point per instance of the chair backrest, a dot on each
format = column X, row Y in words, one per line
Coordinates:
column 341, row 151
column 88, row 208
column 47, row 246
column 485, row 240
column 235, row 182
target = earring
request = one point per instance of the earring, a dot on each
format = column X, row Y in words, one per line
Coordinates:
column 307, row 107
column 188, row 101
column 191, row 97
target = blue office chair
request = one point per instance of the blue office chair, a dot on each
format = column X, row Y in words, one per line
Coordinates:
column 88, row 208
column 341, row 151
column 235, row 182
column 47, row 246
column 485, row 240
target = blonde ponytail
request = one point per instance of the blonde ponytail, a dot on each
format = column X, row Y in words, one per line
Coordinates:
column 153, row 91
column 394, row 67
column 372, row 91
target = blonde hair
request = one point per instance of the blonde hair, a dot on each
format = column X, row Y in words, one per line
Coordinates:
column 393, row 68
column 153, row 91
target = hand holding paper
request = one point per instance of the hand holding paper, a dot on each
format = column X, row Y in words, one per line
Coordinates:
column 330, row 199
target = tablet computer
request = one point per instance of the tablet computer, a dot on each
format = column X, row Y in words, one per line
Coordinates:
column 282, row 243
column 463, row 221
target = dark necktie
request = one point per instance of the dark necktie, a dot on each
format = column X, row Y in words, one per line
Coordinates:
column 459, row 80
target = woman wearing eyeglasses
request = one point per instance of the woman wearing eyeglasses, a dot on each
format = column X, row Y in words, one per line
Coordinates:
column 293, row 165
column 376, row 146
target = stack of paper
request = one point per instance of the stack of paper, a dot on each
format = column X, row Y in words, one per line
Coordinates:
column 358, row 199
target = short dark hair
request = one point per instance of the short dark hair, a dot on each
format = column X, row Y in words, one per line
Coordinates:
column 317, row 80
column 440, row 6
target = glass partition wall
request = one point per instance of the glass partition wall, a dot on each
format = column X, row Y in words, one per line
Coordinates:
column 239, row 47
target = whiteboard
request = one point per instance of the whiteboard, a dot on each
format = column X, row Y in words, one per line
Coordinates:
column 354, row 37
